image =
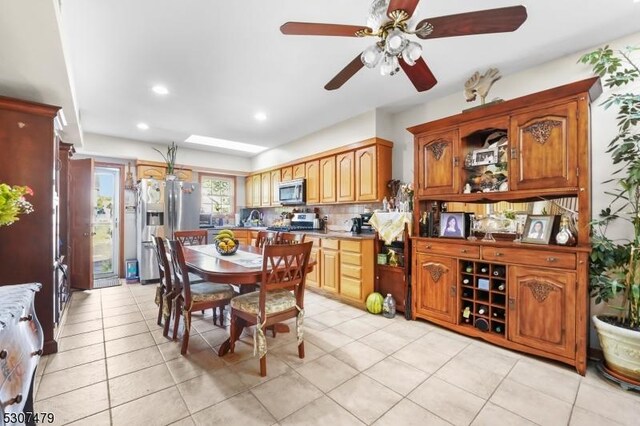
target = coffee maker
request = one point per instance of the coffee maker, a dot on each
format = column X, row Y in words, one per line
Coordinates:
column 356, row 227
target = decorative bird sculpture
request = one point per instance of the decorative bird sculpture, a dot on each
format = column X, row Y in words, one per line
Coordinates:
column 480, row 84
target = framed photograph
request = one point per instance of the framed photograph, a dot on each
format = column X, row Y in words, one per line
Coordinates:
column 484, row 157
column 537, row 229
column 454, row 224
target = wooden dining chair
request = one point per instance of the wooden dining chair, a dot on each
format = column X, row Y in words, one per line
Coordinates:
column 290, row 238
column 194, row 237
column 266, row 237
column 281, row 296
column 194, row 297
column 166, row 290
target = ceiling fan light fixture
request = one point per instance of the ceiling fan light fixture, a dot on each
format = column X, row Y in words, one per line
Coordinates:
column 395, row 42
column 371, row 56
column 390, row 65
column 412, row 53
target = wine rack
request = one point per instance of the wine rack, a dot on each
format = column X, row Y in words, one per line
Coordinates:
column 483, row 296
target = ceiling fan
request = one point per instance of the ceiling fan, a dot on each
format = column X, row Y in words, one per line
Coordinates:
column 393, row 50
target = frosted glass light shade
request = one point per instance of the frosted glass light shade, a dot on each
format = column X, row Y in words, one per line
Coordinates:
column 389, row 65
column 412, row 53
column 371, row 56
column 396, row 42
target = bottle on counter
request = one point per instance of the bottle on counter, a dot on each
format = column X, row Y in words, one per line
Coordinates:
column 389, row 306
column 565, row 236
column 385, row 204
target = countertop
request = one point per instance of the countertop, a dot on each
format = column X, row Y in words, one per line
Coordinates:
column 323, row 234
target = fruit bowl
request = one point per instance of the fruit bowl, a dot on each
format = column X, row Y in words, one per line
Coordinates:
column 227, row 246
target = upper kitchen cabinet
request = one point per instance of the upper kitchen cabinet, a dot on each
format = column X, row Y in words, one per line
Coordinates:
column 299, row 171
column 256, row 187
column 157, row 170
column 436, row 154
column 275, row 182
column 345, row 177
column 265, row 179
column 312, row 171
column 544, row 151
column 328, row 180
column 286, row 174
column 248, row 191
column 373, row 171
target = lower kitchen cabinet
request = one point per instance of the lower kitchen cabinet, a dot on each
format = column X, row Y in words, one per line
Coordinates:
column 435, row 297
column 330, row 265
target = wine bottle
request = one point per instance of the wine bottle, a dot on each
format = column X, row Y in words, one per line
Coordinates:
column 497, row 329
column 501, row 287
column 484, row 269
column 466, row 314
column 498, row 271
column 483, row 310
column 469, row 268
column 466, row 281
column 498, row 314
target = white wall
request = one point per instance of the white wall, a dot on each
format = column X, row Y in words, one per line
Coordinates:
column 96, row 145
column 349, row 131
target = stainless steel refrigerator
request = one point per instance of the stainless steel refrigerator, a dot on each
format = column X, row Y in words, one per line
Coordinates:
column 164, row 207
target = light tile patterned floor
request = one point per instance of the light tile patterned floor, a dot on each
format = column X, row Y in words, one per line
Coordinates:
column 114, row 367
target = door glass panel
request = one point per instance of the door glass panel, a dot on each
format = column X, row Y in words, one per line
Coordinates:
column 105, row 222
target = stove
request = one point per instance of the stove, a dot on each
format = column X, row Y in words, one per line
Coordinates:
column 299, row 222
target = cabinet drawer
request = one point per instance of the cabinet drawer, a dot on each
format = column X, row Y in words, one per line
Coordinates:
column 350, row 245
column 330, row 243
column 449, row 249
column 351, row 271
column 351, row 258
column 351, row 287
column 551, row 259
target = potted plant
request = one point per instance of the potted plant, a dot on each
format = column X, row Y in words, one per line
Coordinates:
column 615, row 264
column 13, row 203
column 170, row 159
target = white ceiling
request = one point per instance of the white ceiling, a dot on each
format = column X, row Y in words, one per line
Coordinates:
column 225, row 61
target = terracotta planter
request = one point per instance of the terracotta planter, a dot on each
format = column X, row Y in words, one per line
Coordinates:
column 621, row 348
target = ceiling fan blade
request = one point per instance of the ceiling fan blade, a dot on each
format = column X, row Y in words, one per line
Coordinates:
column 499, row 20
column 419, row 74
column 308, row 28
column 347, row 72
column 408, row 6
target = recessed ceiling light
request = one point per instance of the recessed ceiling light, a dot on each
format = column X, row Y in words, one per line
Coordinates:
column 142, row 126
column 260, row 116
column 222, row 143
column 160, row 90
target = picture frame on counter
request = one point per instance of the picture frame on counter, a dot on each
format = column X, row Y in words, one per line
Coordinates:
column 485, row 157
column 454, row 225
column 537, row 229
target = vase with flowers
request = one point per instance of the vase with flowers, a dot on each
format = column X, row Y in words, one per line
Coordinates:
column 170, row 160
column 13, row 203
column 407, row 191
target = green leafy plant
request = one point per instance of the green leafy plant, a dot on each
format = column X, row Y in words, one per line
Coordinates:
column 13, row 203
column 170, row 158
column 615, row 264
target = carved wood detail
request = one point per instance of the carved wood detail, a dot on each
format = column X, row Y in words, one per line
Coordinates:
column 436, row 270
column 539, row 289
column 437, row 148
column 542, row 130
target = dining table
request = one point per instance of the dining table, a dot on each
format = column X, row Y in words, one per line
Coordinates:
column 243, row 269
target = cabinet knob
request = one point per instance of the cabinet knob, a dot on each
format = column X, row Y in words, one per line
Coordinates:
column 15, row 400
column 3, row 354
column 499, row 254
column 512, row 303
column 428, row 246
column 463, row 250
column 551, row 259
column 27, row 318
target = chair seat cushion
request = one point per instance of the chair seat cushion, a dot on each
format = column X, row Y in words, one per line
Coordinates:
column 210, row 292
column 276, row 301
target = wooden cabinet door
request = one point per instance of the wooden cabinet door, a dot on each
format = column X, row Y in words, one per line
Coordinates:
column 184, row 175
column 312, row 171
column 435, row 290
column 330, row 265
column 275, row 182
column 146, row 171
column 313, row 277
column 436, row 157
column 328, row 180
column 366, row 174
column 248, row 191
column 298, row 171
column 541, row 310
column 81, row 229
column 544, row 150
column 345, row 177
column 266, row 189
column 286, row 173
column 256, row 187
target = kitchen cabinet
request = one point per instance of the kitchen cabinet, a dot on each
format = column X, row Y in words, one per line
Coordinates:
column 345, row 177
column 330, row 265
column 275, row 182
column 256, row 186
column 266, row 189
column 313, row 277
column 312, row 172
column 328, row 180
column 541, row 309
column 435, row 154
column 544, row 153
column 435, row 295
column 185, row 175
column 287, row 173
column 248, row 191
column 527, row 297
column 151, row 170
column 356, row 269
column 373, row 172
column 299, row 171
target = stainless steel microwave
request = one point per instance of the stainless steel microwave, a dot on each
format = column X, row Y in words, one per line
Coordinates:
column 293, row 192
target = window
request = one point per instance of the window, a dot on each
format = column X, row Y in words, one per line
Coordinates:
column 217, row 194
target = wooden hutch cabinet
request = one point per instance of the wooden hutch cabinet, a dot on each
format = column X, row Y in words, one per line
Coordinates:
column 528, row 297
